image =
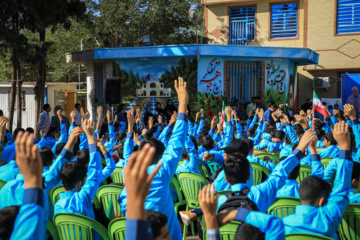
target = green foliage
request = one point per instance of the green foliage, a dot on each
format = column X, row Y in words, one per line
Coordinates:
column 211, row 104
column 272, row 95
column 129, row 81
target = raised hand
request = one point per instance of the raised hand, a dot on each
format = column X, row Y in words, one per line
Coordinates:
column 207, row 157
column 73, row 116
column 219, row 128
column 3, row 121
column 306, row 139
column 108, row 116
column 208, row 199
column 180, row 87
column 214, row 121
column 138, row 181
column 151, row 122
column 350, row 111
column 89, row 129
column 99, row 111
column 29, row 160
column 342, row 135
column 173, row 118
column 160, row 119
column 136, row 139
column 202, row 112
column 197, row 116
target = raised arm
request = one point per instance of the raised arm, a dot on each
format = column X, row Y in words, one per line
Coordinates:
column 72, row 125
column 99, row 113
column 110, row 163
column 129, row 141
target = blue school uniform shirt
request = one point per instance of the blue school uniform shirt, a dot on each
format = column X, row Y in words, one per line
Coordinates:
column 290, row 189
column 46, row 142
column 9, row 153
column 191, row 165
column 63, row 136
column 9, row 171
column 253, row 159
column 159, row 197
column 264, row 194
column 325, row 220
column 81, row 202
column 286, row 151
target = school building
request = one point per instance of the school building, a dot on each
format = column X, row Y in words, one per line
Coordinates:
column 328, row 27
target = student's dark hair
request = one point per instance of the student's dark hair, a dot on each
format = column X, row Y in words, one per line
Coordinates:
column 16, row 131
column 159, row 146
column 250, row 146
column 51, row 132
column 71, row 173
column 294, row 173
column 271, row 130
column 273, row 106
column 208, row 142
column 1, row 113
column 294, row 146
column 329, row 136
column 46, row 106
column 206, row 129
column 298, row 127
column 29, row 130
column 288, row 140
column 185, row 155
column 57, row 136
column 148, row 134
column 157, row 221
column 280, row 135
column 311, row 188
column 356, row 171
column 193, row 139
column 83, row 156
column 120, row 137
column 59, row 148
column 200, row 138
column 247, row 231
column 120, row 151
column 47, row 156
column 77, row 104
column 236, row 169
column 330, row 107
column 251, row 132
column 7, row 221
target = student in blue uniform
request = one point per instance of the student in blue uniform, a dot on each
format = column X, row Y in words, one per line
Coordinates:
column 9, row 151
column 48, row 140
column 63, row 132
column 190, row 157
column 159, row 198
column 322, row 208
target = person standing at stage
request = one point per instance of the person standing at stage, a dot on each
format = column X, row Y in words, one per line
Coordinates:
column 78, row 114
column 354, row 100
column 44, row 119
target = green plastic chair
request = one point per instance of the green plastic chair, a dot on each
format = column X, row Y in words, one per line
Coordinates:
column 2, row 183
column 103, row 194
column 191, row 183
column 117, row 229
column 204, row 171
column 257, row 172
column 325, row 161
column 305, row 171
column 350, row 224
column 213, row 166
column 283, row 206
column 52, row 230
column 273, row 157
column 116, row 175
column 75, row 226
column 181, row 200
column 228, row 231
column 305, row 236
column 221, row 193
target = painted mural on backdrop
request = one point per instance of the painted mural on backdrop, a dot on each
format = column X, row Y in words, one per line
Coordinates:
column 145, row 81
column 210, row 85
column 278, row 74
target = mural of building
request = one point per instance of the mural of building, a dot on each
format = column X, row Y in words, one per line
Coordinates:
column 153, row 89
column 331, row 28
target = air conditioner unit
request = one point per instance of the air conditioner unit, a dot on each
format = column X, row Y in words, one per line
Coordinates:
column 321, row 82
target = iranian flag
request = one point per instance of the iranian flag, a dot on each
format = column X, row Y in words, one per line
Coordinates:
column 318, row 106
column 223, row 115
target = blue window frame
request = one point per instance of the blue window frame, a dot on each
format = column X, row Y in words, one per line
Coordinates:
column 284, row 21
column 242, row 25
column 348, row 16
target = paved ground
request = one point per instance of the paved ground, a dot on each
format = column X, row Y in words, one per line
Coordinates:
column 192, row 238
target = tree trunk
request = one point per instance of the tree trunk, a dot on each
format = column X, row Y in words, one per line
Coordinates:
column 19, row 102
column 40, row 86
column 12, row 91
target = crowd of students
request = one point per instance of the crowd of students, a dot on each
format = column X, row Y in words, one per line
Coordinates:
column 150, row 156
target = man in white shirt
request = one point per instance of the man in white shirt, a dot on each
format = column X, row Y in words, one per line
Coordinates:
column 44, row 119
column 78, row 114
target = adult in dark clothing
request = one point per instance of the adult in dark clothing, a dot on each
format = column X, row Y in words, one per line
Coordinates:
column 147, row 115
column 260, row 104
column 169, row 109
column 159, row 110
column 121, row 114
column 55, row 123
column 307, row 105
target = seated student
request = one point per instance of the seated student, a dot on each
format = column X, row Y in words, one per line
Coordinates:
column 9, row 151
column 31, row 131
column 253, row 159
column 62, row 138
column 159, row 198
column 48, row 140
column 81, row 184
column 159, row 226
column 331, row 149
column 255, row 225
column 29, row 220
column 322, row 208
column 190, row 157
column 287, row 147
column 275, row 143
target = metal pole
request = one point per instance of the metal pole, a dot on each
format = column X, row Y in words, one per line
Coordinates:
column 197, row 43
column 81, row 48
column 112, row 113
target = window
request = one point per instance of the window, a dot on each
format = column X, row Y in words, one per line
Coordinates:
column 284, row 20
column 242, row 25
column 348, row 16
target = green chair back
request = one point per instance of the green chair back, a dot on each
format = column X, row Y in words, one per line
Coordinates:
column 283, row 206
column 204, row 171
column 52, row 230
column 350, row 224
column 221, row 193
column 116, row 175
column 55, row 193
column 2, row 183
column 75, row 226
column 273, row 157
column 181, row 200
column 257, row 172
column 213, row 166
column 304, row 172
column 305, row 236
column 117, row 228
column 104, row 194
column 325, row 161
column 228, row 231
column 191, row 183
